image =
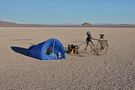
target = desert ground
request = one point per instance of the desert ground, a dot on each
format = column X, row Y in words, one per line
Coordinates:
column 113, row 71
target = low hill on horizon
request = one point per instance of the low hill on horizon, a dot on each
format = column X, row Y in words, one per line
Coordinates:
column 86, row 24
column 13, row 24
column 5, row 23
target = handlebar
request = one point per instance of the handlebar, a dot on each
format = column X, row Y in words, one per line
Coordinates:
column 101, row 35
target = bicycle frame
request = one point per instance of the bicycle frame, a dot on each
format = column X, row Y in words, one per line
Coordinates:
column 92, row 44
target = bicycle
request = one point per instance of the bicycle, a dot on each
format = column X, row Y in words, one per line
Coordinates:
column 99, row 48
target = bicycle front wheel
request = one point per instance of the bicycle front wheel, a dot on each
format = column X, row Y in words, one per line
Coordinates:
column 102, row 47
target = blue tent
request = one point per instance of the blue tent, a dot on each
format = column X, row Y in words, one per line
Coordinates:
column 52, row 49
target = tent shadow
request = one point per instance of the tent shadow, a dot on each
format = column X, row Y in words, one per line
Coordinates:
column 20, row 50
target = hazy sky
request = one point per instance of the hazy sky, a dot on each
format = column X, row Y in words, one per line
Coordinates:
column 68, row 11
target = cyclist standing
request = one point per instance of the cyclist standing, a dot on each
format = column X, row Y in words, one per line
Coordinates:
column 89, row 39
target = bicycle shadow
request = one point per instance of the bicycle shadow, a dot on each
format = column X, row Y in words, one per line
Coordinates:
column 20, row 50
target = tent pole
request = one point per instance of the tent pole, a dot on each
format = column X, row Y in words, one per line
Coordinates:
column 53, row 45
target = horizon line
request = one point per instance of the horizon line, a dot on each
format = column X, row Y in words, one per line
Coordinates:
column 15, row 22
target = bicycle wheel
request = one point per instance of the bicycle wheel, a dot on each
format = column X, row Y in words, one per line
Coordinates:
column 82, row 52
column 102, row 47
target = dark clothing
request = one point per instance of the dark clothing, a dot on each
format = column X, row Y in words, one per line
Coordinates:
column 88, row 39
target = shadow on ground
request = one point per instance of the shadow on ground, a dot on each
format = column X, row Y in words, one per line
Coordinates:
column 20, row 50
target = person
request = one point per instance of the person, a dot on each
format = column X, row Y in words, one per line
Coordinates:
column 49, row 51
column 89, row 40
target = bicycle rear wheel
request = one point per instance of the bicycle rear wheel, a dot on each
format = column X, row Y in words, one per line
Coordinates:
column 82, row 52
column 102, row 47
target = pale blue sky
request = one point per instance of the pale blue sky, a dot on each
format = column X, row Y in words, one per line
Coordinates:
column 68, row 11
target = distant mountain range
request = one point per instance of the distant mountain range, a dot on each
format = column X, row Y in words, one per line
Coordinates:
column 86, row 24
column 3, row 23
column 13, row 24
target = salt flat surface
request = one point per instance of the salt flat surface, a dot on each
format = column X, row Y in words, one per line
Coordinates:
column 112, row 71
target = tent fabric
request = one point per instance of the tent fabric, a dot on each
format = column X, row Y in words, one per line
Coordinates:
column 40, row 51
